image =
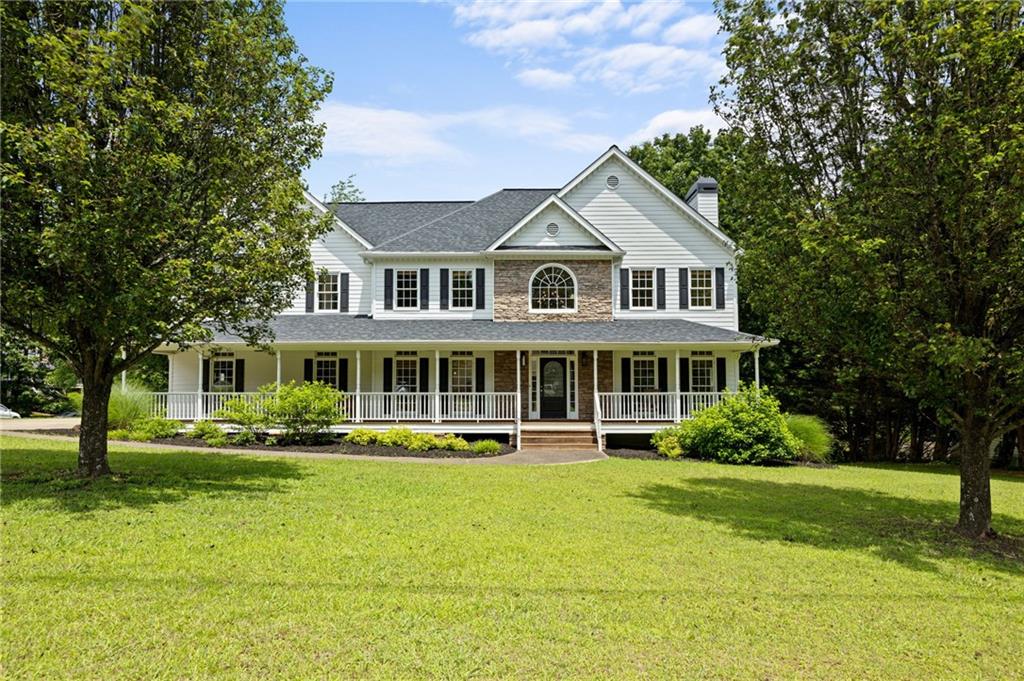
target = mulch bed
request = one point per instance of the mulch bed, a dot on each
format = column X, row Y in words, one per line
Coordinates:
column 336, row 446
column 626, row 453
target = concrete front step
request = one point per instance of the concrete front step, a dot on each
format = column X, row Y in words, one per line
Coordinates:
column 572, row 440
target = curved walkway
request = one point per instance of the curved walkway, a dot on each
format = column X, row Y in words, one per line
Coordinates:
column 521, row 458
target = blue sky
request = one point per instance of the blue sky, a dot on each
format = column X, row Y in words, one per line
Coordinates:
column 456, row 100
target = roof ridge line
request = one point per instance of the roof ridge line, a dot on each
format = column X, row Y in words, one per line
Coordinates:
column 425, row 224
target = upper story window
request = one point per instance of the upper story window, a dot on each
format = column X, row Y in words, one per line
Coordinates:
column 553, row 289
column 641, row 289
column 327, row 292
column 700, row 289
column 407, row 289
column 462, row 289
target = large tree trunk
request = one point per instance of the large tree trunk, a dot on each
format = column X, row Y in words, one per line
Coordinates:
column 92, row 440
column 975, row 491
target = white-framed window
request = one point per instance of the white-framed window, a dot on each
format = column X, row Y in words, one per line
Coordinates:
column 326, row 368
column 462, row 289
column 462, row 374
column 407, row 289
column 641, row 289
column 223, row 379
column 702, row 372
column 645, row 372
column 552, row 289
column 327, row 292
column 701, row 291
column 407, row 374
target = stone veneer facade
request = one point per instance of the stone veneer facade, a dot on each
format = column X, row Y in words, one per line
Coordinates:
column 505, row 379
column 512, row 291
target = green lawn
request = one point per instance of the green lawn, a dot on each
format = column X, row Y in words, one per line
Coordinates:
column 198, row 564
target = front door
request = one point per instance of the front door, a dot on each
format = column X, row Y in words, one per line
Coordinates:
column 552, row 388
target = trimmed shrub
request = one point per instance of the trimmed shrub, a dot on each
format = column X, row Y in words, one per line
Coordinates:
column 486, row 447
column 452, row 443
column 743, row 428
column 118, row 434
column 422, row 442
column 243, row 438
column 217, row 440
column 666, row 441
column 157, row 427
column 305, row 411
column 395, row 437
column 126, row 407
column 363, row 436
column 202, row 430
column 813, row 437
column 250, row 413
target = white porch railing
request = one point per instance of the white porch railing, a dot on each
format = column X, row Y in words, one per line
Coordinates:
column 654, row 406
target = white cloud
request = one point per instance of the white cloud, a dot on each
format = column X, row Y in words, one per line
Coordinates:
column 546, row 79
column 646, row 67
column 676, row 120
column 397, row 137
column 700, row 28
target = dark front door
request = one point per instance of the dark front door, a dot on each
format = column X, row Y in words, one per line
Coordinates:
column 552, row 388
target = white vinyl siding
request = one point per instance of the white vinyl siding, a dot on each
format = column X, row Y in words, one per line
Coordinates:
column 338, row 252
column 434, row 265
column 535, row 234
column 654, row 233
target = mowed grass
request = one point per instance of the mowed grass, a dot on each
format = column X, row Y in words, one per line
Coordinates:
column 194, row 565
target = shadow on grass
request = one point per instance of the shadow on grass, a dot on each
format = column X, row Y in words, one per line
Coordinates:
column 912, row 532
column 46, row 472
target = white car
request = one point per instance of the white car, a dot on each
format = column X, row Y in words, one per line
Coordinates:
column 6, row 413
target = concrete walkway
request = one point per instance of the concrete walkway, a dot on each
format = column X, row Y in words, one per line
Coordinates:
column 522, row 458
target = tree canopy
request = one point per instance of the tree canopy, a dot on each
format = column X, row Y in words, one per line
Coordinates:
column 345, row 191
column 152, row 159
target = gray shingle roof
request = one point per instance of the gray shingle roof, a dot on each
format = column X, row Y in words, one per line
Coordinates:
column 470, row 228
column 378, row 222
column 308, row 328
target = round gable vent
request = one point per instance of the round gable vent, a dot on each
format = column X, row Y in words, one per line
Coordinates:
column 552, row 229
column 612, row 182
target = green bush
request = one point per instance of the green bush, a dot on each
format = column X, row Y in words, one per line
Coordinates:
column 217, row 440
column 813, row 437
column 452, row 443
column 363, row 436
column 746, row 427
column 422, row 442
column 251, row 413
column 304, row 411
column 666, row 441
column 243, row 439
column 486, row 447
column 395, row 437
column 118, row 434
column 157, row 427
column 126, row 407
column 202, row 430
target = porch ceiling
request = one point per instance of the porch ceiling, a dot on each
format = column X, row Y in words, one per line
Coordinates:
column 326, row 328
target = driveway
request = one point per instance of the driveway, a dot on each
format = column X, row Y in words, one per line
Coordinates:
column 44, row 423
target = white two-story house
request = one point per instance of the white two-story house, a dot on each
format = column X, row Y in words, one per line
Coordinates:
column 605, row 306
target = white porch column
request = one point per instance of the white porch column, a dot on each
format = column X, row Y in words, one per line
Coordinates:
column 437, row 386
column 675, row 402
column 359, row 386
column 757, row 367
column 597, row 405
column 519, row 398
column 199, row 386
column 277, row 378
column 124, row 372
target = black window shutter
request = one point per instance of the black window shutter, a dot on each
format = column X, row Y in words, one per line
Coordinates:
column 424, row 289
column 310, row 295
column 389, row 289
column 444, row 288
column 343, row 292
column 307, row 370
column 660, row 274
column 663, row 374
column 684, row 374
column 343, row 374
column 480, row 376
column 480, row 288
column 239, row 375
column 626, row 379
column 624, row 288
column 388, row 365
column 444, row 374
column 684, row 288
column 424, row 374
column 206, row 374
column 720, row 288
column 720, row 370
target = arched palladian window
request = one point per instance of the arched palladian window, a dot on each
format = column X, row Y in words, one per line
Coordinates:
column 552, row 289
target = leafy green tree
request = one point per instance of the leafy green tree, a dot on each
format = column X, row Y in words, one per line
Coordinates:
column 152, row 154
column 892, row 135
column 345, row 191
column 24, row 369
